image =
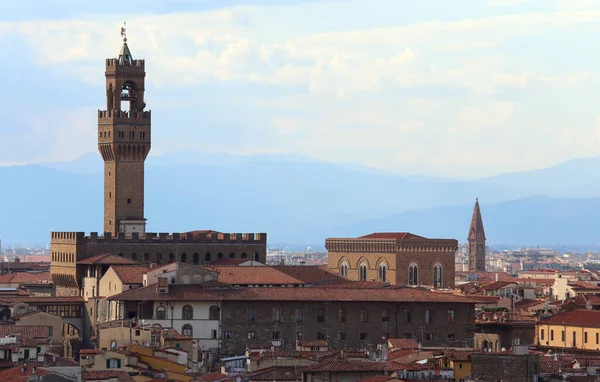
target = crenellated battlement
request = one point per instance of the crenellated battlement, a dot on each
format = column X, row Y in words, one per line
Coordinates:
column 120, row 116
column 114, row 63
column 158, row 238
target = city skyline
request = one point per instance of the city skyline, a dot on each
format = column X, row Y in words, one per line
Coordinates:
column 486, row 88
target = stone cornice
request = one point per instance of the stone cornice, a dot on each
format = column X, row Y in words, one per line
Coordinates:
column 391, row 245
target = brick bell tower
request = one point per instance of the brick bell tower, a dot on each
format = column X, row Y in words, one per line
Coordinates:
column 124, row 143
column 476, row 241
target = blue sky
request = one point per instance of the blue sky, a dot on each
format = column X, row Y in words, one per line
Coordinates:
column 468, row 88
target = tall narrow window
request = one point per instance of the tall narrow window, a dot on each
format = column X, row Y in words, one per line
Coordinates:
column 362, row 270
column 382, row 272
column 437, row 276
column 344, row 269
column 187, row 330
column 413, row 274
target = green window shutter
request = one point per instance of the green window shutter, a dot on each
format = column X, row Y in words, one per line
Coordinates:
column 119, row 363
column 108, row 363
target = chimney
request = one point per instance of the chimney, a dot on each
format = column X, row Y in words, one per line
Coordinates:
column 496, row 276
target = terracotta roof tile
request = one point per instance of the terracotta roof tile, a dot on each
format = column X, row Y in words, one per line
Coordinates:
column 107, row 259
column 276, row 275
column 498, row 284
column 25, row 277
column 392, row 235
column 31, row 331
column 400, row 353
column 195, row 293
column 377, row 378
column 212, row 377
column 17, row 374
column 403, row 343
column 578, row 317
column 94, row 375
column 311, row 343
column 276, row 374
column 341, row 365
column 132, row 274
column 525, row 304
column 90, row 351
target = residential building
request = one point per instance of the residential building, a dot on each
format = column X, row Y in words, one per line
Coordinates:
column 574, row 330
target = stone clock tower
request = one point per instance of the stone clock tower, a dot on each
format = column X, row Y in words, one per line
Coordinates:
column 124, row 143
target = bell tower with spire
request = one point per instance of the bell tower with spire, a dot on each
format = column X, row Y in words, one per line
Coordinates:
column 476, row 241
column 124, row 143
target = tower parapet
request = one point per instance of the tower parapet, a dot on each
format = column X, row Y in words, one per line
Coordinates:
column 122, row 116
column 158, row 238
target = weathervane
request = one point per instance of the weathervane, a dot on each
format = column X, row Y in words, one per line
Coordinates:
column 124, row 31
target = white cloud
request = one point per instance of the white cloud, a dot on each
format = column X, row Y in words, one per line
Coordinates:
column 426, row 95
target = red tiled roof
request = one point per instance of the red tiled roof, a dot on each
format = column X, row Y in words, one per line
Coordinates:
column 25, row 277
column 172, row 334
column 278, row 275
column 40, row 299
column 130, row 274
column 392, row 235
column 95, row 375
column 90, row 351
column 403, row 343
column 17, row 374
column 205, row 233
column 461, row 355
column 107, row 259
column 212, row 377
column 196, row 293
column 228, row 261
column 319, row 343
column 394, row 355
column 497, row 285
column 31, row 331
column 578, row 317
column 538, row 282
column 276, row 374
column 582, row 285
column 526, row 304
column 345, row 365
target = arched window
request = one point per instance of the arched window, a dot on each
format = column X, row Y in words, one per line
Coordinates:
column 187, row 330
column 207, row 257
column 196, row 258
column 158, row 258
column 362, row 272
column 344, row 269
column 244, row 255
column 219, row 255
column 382, row 272
column 438, row 276
column 187, row 313
column 161, row 313
column 232, row 255
column 413, row 274
column 214, row 313
column 184, row 258
column 171, row 257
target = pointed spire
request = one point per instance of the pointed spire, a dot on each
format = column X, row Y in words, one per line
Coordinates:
column 476, row 230
column 125, row 55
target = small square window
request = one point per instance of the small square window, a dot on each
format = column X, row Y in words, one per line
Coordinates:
column 227, row 335
column 341, row 336
column 320, row 336
column 364, row 336
column 129, row 201
column 251, row 335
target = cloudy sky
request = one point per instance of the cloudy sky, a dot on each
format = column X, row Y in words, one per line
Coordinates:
column 438, row 87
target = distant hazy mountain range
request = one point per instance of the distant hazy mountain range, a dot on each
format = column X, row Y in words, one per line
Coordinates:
column 302, row 201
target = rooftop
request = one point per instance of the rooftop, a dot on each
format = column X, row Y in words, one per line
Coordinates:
column 578, row 317
column 130, row 274
column 197, row 293
column 107, row 259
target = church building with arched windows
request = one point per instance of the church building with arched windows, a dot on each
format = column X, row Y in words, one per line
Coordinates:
column 400, row 258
